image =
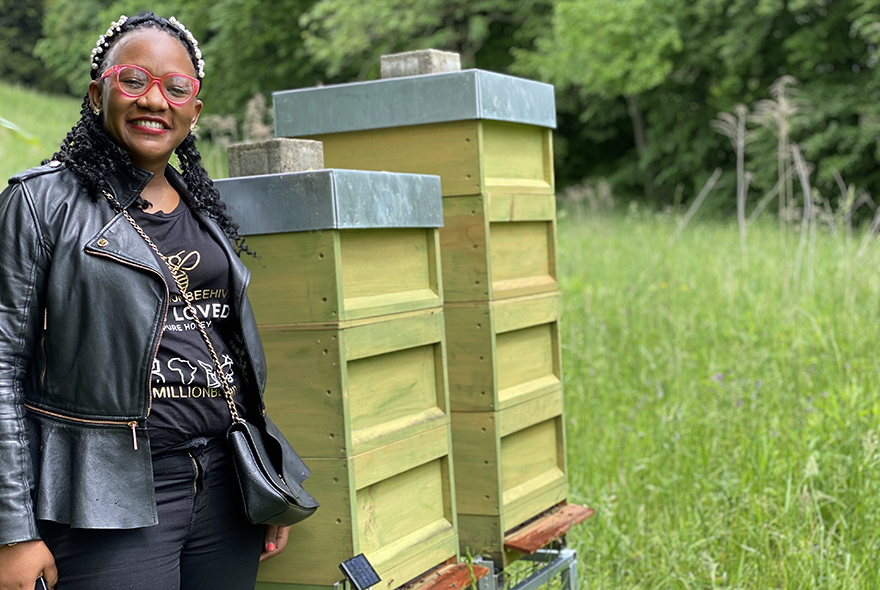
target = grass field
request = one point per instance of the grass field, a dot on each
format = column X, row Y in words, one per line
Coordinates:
column 722, row 421
column 45, row 118
column 722, row 417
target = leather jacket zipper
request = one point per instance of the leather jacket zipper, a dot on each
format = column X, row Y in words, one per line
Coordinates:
column 161, row 325
column 130, row 423
column 43, row 349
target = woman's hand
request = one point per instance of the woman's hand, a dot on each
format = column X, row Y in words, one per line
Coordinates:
column 22, row 565
column 274, row 543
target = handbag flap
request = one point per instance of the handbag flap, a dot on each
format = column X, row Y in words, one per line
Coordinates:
column 291, row 484
column 292, row 467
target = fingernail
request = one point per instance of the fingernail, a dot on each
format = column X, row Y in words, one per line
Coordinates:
column 270, row 547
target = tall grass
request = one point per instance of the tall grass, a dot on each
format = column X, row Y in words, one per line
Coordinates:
column 722, row 421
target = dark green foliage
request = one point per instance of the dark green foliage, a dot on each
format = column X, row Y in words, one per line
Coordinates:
column 70, row 30
column 349, row 37
column 20, row 29
column 638, row 81
column 255, row 46
column 713, row 54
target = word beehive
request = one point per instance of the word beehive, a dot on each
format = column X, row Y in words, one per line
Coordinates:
column 488, row 137
column 348, row 296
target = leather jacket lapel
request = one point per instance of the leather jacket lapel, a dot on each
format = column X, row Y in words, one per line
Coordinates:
column 119, row 240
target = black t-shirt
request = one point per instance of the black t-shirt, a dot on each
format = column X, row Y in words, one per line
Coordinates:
column 187, row 395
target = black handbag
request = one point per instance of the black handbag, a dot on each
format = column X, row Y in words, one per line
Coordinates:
column 270, row 472
column 271, row 495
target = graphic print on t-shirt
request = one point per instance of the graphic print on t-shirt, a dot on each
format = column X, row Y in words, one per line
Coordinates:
column 187, row 394
column 182, row 262
column 193, row 374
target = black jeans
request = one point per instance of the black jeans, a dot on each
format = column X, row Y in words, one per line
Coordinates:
column 203, row 540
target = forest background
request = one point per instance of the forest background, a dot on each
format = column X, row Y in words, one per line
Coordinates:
column 638, row 82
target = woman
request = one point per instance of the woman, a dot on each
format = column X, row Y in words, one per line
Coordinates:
column 114, row 472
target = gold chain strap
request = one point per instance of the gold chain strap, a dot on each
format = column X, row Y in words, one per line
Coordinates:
column 187, row 297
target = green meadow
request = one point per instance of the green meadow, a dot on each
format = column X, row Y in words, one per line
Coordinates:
column 721, row 402
column 722, row 412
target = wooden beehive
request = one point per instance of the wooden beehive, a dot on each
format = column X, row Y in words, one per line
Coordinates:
column 394, row 504
column 488, row 137
column 348, row 297
column 471, row 157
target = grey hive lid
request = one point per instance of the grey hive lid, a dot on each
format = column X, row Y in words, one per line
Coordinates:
column 413, row 100
column 331, row 199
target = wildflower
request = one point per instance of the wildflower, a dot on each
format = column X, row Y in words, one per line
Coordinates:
column 812, row 467
column 719, row 377
column 870, row 443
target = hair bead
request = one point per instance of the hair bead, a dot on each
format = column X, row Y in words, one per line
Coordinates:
column 104, row 42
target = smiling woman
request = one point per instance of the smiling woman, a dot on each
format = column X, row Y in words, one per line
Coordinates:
column 148, row 125
column 122, row 364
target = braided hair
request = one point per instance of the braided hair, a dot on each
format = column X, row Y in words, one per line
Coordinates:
column 92, row 155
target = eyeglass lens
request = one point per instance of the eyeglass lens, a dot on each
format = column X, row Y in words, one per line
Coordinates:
column 136, row 82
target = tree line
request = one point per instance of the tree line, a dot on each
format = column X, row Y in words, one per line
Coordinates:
column 638, row 82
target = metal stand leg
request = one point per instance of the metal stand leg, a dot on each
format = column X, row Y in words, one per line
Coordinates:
column 570, row 575
column 562, row 561
column 487, row 582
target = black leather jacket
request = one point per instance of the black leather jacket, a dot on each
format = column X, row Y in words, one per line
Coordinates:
column 82, row 306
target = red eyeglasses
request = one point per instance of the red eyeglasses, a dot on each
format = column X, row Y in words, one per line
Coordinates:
column 135, row 81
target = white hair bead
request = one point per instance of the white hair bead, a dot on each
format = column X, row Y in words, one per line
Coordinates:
column 116, row 27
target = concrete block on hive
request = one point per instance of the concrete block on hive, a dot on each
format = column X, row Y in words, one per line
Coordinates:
column 275, row 156
column 416, row 63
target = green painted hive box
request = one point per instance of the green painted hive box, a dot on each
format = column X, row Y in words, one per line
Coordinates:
column 340, row 390
column 394, row 504
column 488, row 137
column 338, row 245
column 511, row 466
column 498, row 246
column 481, row 132
column 502, row 353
